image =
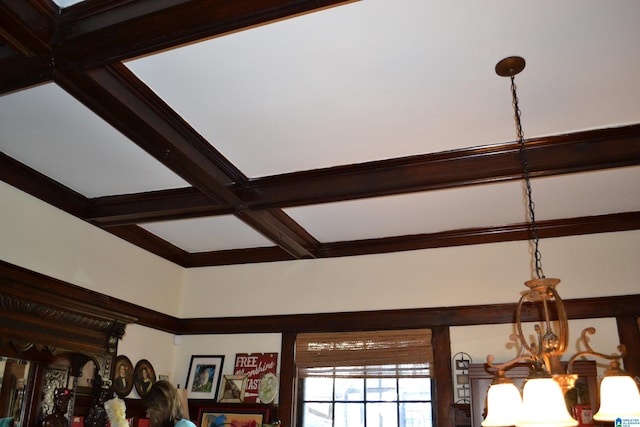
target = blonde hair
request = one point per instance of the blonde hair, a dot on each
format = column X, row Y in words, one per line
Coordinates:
column 163, row 404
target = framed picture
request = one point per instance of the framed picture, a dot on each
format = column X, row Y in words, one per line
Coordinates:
column 122, row 376
column 235, row 416
column 462, row 379
column 203, row 378
column 233, row 388
column 144, row 377
column 462, row 364
column 255, row 366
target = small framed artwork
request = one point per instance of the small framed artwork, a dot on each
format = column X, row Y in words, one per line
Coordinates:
column 233, row 388
column 145, row 376
column 462, row 379
column 462, row 364
column 122, row 376
column 233, row 416
column 203, row 378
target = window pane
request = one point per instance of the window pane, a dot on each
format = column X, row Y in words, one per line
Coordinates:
column 349, row 415
column 349, row 389
column 318, row 389
column 317, row 415
column 382, row 389
column 415, row 388
column 382, row 415
column 415, row 414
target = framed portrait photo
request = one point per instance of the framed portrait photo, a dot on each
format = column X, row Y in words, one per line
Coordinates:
column 203, row 378
column 233, row 388
column 234, row 416
column 144, row 377
column 122, row 376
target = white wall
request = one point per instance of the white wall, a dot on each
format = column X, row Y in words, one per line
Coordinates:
column 589, row 266
column 41, row 238
column 44, row 239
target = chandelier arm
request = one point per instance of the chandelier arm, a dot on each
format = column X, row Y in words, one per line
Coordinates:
column 519, row 357
column 590, row 352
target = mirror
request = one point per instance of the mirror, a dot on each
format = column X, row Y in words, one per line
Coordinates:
column 13, row 384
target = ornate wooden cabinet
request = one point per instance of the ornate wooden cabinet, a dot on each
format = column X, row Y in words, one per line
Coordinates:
column 41, row 326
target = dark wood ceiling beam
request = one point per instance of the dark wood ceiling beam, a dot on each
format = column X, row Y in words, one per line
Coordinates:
column 278, row 227
column 120, row 98
column 578, row 152
column 547, row 229
column 150, row 242
column 95, row 34
column 554, row 155
column 24, row 72
column 237, row 256
column 28, row 26
column 162, row 205
column 473, row 236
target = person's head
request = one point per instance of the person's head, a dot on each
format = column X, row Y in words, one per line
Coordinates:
column 145, row 374
column 123, row 371
column 163, row 404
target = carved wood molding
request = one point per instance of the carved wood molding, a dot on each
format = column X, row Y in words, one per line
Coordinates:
column 41, row 312
column 28, row 323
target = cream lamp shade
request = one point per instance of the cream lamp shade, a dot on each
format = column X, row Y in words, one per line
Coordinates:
column 619, row 398
column 505, row 405
column 543, row 405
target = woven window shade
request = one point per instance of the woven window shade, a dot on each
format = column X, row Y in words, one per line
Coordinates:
column 365, row 354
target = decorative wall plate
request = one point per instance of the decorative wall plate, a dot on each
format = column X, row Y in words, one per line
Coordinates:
column 268, row 388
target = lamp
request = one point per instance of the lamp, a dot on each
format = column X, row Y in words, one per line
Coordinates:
column 543, row 394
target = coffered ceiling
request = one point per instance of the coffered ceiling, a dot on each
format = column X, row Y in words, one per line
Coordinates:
column 226, row 132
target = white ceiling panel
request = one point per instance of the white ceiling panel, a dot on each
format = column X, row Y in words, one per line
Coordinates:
column 378, row 79
column 365, row 81
column 70, row 144
column 415, row 213
column 208, row 234
column 66, row 3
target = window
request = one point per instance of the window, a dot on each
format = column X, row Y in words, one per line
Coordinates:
column 365, row 379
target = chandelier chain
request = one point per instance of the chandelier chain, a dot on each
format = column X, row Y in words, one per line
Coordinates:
column 527, row 182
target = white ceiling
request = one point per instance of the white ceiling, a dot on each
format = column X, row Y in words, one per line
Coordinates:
column 369, row 80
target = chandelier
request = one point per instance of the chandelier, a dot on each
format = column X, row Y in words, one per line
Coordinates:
column 542, row 402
